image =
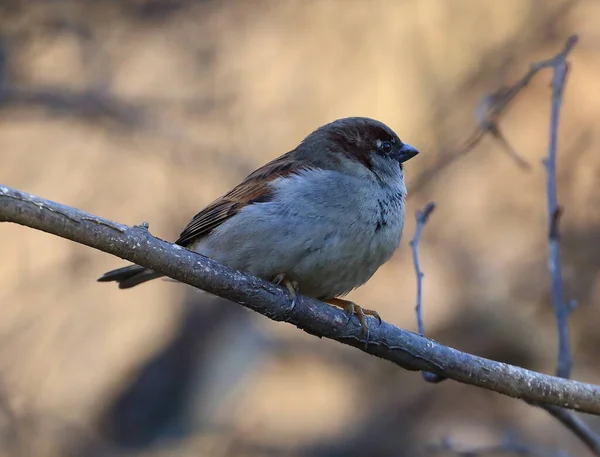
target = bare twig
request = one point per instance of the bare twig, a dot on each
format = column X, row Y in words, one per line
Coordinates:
column 561, row 309
column 421, row 216
column 488, row 112
column 396, row 345
column 559, row 64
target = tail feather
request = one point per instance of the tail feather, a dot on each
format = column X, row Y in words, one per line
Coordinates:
column 129, row 276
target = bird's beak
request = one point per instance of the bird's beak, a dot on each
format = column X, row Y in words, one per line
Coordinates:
column 405, row 152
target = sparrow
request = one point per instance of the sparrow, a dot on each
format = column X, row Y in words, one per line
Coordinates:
column 319, row 220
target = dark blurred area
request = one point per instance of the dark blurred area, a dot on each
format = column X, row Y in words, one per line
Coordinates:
column 148, row 110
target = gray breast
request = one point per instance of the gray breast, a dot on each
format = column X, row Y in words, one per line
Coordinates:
column 328, row 232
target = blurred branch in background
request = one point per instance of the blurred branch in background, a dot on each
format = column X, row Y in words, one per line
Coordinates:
column 562, row 309
column 489, row 111
column 489, row 117
column 97, row 102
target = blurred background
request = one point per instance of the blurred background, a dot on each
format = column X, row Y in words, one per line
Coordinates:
column 147, row 110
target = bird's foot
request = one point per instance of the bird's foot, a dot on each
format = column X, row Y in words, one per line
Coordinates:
column 352, row 308
column 291, row 286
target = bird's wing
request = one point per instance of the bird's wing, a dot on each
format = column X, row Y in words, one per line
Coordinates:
column 254, row 189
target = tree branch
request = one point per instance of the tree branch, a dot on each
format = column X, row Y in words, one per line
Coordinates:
column 396, row 345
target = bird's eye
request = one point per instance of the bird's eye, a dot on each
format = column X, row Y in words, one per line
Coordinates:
column 386, row 146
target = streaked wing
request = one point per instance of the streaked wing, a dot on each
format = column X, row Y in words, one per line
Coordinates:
column 254, row 189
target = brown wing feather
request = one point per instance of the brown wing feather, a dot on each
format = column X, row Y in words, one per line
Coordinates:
column 254, row 189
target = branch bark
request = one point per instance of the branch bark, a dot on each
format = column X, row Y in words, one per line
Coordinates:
column 396, row 345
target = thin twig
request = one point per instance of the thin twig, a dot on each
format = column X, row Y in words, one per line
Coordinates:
column 406, row 349
column 488, row 114
column 421, row 216
column 561, row 309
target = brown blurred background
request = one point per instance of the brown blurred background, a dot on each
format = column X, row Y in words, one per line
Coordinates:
column 147, row 110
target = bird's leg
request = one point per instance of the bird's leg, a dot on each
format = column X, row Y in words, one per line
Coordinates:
column 352, row 308
column 291, row 286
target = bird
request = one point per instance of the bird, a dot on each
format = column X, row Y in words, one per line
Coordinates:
column 320, row 219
